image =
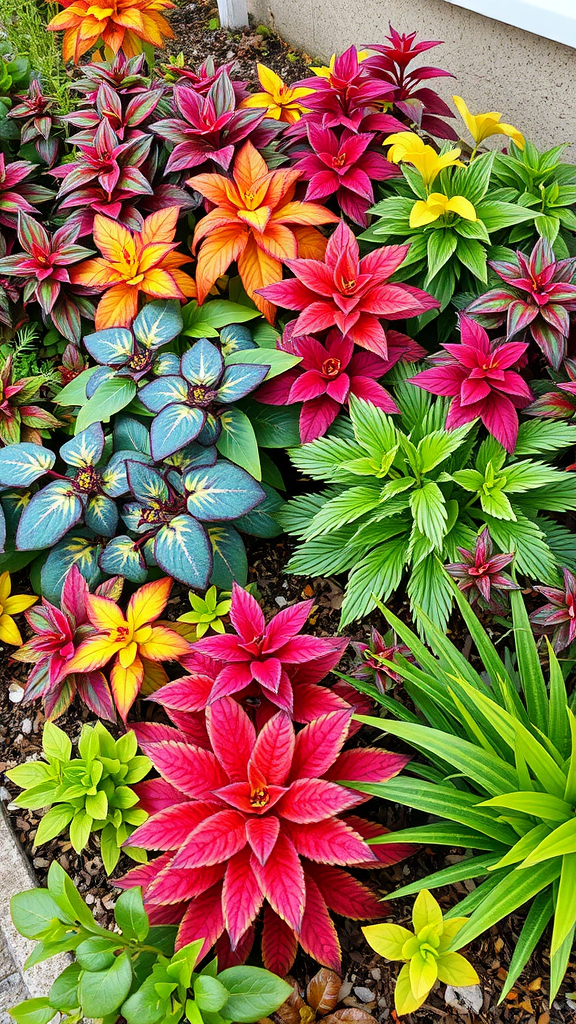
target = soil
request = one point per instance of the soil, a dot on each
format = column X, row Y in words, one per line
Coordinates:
column 368, row 981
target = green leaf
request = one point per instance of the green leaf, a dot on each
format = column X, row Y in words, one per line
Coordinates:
column 75, row 392
column 96, row 953
column 64, row 991
column 112, row 396
column 130, row 915
column 429, row 510
column 536, row 920
column 429, row 591
column 254, row 993
column 274, row 426
column 237, row 441
column 103, row 992
column 472, row 254
column 375, row 576
column 209, row 993
column 529, row 665
column 203, row 321
column 34, row 911
column 497, row 215
column 278, row 361
column 33, row 1011
column 62, row 889
column 441, row 245
column 53, row 823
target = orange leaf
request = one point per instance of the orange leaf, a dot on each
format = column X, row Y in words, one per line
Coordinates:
column 96, row 273
column 304, row 213
column 256, row 219
column 279, row 241
column 148, row 602
column 248, row 167
column 93, row 653
column 113, row 239
column 117, row 307
column 160, row 284
column 104, row 613
column 217, row 252
column 257, row 269
column 213, row 186
column 164, row 645
column 152, row 255
column 155, row 676
column 311, row 243
column 281, row 182
column 160, row 226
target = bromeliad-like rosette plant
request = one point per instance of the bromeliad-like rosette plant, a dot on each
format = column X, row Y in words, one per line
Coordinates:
column 538, row 295
column 349, row 292
column 257, row 819
column 411, row 495
column 126, row 26
column 256, row 222
column 19, row 419
column 502, row 744
column 58, row 632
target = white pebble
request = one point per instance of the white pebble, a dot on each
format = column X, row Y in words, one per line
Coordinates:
column 4, row 794
column 345, row 990
column 89, row 899
column 15, row 693
column 376, row 973
column 466, row 999
column 27, row 726
column 364, row 994
column 281, row 601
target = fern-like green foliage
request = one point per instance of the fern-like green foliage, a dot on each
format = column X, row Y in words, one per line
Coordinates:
column 402, row 498
column 498, row 778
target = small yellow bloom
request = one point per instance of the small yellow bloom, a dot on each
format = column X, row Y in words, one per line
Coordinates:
column 481, row 126
column 410, row 148
column 280, row 101
column 325, row 71
column 9, row 606
column 426, row 211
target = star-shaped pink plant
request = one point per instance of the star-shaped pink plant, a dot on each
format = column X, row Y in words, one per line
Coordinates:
column 256, row 819
column 345, row 165
column 480, row 572
column 559, row 614
column 372, row 656
column 349, row 293
column 264, row 652
column 476, row 374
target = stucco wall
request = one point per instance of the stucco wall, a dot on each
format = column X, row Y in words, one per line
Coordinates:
column 530, row 79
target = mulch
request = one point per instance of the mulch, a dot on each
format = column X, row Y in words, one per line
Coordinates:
column 368, row 981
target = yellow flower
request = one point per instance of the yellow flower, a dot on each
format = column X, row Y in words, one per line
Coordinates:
column 410, row 148
column 325, row 71
column 481, row 126
column 9, row 606
column 426, row 211
column 279, row 100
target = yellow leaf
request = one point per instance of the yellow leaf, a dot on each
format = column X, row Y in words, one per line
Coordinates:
column 404, row 999
column 426, row 911
column 387, row 939
column 148, row 602
column 454, row 969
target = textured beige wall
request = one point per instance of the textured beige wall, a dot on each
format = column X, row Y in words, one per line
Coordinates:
column 530, row 79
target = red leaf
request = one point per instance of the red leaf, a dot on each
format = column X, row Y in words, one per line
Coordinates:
column 187, row 694
column 156, row 794
column 385, row 853
column 318, row 744
column 194, row 771
column 246, row 615
column 228, row 957
column 368, row 764
column 214, row 840
column 232, row 736
column 178, row 885
column 311, row 800
column 143, row 874
column 331, row 842
column 170, row 828
column 283, row 626
column 241, row 896
column 318, row 935
column 312, row 701
column 204, row 919
column 344, row 894
column 281, row 880
column 272, row 754
column 279, row 944
column 262, row 834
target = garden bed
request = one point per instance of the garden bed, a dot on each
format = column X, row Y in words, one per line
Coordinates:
column 481, row 440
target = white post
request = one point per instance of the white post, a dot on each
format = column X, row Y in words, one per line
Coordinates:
column 233, row 13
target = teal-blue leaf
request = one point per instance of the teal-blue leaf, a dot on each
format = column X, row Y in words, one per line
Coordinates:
column 262, row 522
column 48, row 516
column 162, row 392
column 22, row 464
column 182, row 549
column 101, row 515
column 221, row 492
column 112, row 347
column 114, row 476
column 130, row 435
column 229, row 553
column 146, row 483
column 86, row 448
column 239, row 380
column 121, row 558
column 174, row 428
column 79, row 548
column 202, row 364
column 158, row 323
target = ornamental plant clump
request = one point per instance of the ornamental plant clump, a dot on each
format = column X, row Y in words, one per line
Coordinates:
column 559, row 614
column 480, row 574
column 407, row 496
column 86, row 794
column 426, row 952
column 256, row 819
column 502, row 744
column 58, row 632
column 132, row 971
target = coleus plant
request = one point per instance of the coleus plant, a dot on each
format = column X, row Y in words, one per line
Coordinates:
column 130, row 973
column 329, row 372
column 43, row 265
column 132, row 264
column 255, row 221
column 538, row 295
column 57, row 633
column 349, row 292
column 19, row 419
column 477, row 375
column 209, row 127
column 405, row 496
column 415, row 102
column 125, row 111
column 257, row 819
column 134, row 642
column 86, row 794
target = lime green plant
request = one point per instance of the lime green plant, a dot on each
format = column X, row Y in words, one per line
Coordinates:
column 208, row 611
column 500, row 782
column 426, row 952
column 89, row 793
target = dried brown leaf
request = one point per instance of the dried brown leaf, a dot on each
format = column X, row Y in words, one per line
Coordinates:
column 322, row 991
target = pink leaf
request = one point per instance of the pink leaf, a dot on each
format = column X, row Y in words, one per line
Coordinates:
column 214, row 840
column 204, row 919
column 311, row 800
column 344, row 894
column 285, row 624
column 318, row 936
column 194, row 771
column 262, row 834
column 177, row 885
column 169, row 829
column 281, row 879
column 279, row 944
column 156, row 794
column 273, row 750
column 246, row 615
column 330, row 842
column 319, row 743
column 190, row 693
column 366, row 764
column 232, row 736
column 241, row 896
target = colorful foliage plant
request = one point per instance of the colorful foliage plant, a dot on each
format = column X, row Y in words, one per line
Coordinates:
column 257, row 819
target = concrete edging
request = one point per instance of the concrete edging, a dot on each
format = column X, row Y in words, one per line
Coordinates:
column 16, row 875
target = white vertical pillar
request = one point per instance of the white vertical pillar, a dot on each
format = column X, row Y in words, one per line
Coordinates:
column 233, row 13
